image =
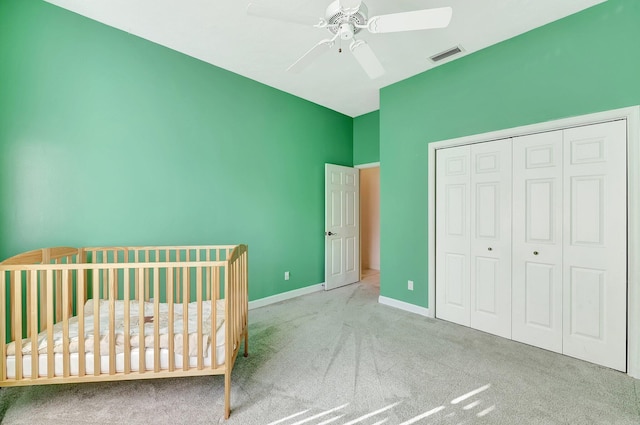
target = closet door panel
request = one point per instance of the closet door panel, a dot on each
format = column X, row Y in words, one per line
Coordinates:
column 453, row 234
column 539, row 295
column 491, row 237
column 595, row 263
column 537, row 240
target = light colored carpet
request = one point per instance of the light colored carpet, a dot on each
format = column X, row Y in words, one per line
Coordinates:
column 341, row 358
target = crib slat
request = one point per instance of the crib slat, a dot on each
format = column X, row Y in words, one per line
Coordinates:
column 214, row 325
column 17, row 321
column 65, row 325
column 112, row 320
column 96, row 321
column 178, row 281
column 32, row 299
column 216, row 281
column 207, row 292
column 227, row 314
column 103, row 279
column 58, row 293
column 147, row 282
column 215, row 298
column 101, row 272
column 3, row 323
column 12, row 307
column 156, row 318
column 81, row 338
column 170, row 334
column 233, row 302
column 50, row 322
column 245, row 299
column 141, row 297
column 199, row 272
column 69, row 303
column 43, row 299
column 185, row 322
column 85, row 277
column 127, row 324
column 238, row 300
column 28, row 303
column 135, row 276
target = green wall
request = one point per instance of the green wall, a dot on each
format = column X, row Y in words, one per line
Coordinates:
column 108, row 139
column 585, row 63
column 366, row 138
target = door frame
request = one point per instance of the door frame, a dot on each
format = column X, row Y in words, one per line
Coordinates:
column 360, row 167
column 632, row 116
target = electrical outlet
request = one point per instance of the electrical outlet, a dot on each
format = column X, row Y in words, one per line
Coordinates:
column 410, row 285
column 286, row 275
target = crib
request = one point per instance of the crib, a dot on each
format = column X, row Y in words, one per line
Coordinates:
column 122, row 313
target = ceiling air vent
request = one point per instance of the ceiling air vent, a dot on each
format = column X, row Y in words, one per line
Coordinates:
column 447, row 53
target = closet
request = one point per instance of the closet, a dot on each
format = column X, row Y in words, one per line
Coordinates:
column 531, row 239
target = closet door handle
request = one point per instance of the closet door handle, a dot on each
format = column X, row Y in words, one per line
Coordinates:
column 489, row 249
column 535, row 252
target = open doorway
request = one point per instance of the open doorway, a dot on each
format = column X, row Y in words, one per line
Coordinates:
column 370, row 223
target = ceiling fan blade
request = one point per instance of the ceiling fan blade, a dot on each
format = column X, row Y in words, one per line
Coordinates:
column 349, row 7
column 367, row 59
column 410, row 21
column 283, row 15
column 311, row 55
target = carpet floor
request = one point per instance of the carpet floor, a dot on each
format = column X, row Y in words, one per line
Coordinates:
column 339, row 357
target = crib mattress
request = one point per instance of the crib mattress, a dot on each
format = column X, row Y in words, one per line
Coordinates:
column 104, row 362
column 149, row 335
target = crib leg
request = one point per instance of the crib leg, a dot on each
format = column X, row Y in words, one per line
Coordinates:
column 246, row 344
column 227, row 394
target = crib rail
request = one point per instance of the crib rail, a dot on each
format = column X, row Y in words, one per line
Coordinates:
column 62, row 254
column 47, row 288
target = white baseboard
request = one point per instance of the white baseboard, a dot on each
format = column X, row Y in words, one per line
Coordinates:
column 285, row 296
column 412, row 308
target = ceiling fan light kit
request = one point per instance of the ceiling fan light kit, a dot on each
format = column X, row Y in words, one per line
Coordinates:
column 346, row 18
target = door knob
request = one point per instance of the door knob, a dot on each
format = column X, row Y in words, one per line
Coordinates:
column 490, row 249
column 535, row 252
column 330, row 233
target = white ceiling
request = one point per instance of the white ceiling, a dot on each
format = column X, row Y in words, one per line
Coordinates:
column 221, row 33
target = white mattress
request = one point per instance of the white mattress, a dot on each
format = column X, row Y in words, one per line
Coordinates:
column 104, row 362
column 149, row 332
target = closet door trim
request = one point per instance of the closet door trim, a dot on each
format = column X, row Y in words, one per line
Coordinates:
column 632, row 117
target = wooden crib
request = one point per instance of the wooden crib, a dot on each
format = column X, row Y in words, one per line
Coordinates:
column 121, row 313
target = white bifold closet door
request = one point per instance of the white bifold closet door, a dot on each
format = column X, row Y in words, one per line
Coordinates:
column 473, row 248
column 537, row 240
column 595, row 244
column 531, row 240
column 569, row 242
column 453, row 239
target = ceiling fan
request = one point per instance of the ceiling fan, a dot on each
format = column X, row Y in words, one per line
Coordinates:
column 346, row 18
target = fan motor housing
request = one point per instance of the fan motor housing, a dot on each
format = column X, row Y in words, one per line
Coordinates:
column 337, row 19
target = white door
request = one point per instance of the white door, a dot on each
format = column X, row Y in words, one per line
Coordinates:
column 342, row 226
column 537, row 240
column 595, row 244
column 491, row 237
column 453, row 225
